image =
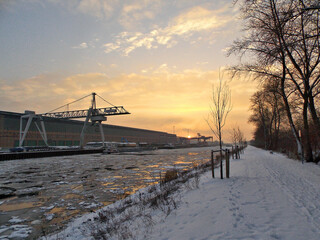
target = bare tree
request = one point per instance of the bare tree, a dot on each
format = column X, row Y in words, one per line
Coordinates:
column 220, row 107
column 261, row 115
column 234, row 135
column 268, row 113
column 237, row 136
column 283, row 42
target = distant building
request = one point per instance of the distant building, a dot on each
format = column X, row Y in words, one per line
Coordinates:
column 63, row 132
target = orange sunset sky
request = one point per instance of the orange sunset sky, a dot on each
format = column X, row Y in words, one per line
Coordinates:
column 158, row 59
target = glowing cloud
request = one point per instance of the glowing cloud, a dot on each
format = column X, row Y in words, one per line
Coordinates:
column 195, row 20
column 83, row 45
column 136, row 11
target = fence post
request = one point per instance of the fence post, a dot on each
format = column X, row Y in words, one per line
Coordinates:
column 232, row 152
column 212, row 164
column 221, row 165
column 227, row 163
column 237, row 152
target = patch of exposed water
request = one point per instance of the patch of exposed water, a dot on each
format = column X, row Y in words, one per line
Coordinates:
column 42, row 195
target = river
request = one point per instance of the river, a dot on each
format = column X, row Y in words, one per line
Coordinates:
column 39, row 196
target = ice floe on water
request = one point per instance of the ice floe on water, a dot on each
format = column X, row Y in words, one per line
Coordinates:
column 15, row 219
column 117, row 191
column 49, row 216
column 51, row 191
column 92, row 205
column 47, row 208
column 16, row 231
column 36, row 222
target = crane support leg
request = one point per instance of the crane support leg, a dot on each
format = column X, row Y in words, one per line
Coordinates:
column 42, row 132
column 23, row 133
column 84, row 128
column 102, row 134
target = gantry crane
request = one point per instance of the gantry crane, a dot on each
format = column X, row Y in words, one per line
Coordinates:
column 93, row 114
column 200, row 137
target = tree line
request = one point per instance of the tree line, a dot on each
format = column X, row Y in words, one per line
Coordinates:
column 282, row 42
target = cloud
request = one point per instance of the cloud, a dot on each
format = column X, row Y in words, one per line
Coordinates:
column 195, row 20
column 96, row 8
column 133, row 13
column 83, row 45
column 129, row 13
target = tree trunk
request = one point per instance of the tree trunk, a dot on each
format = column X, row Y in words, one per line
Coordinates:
column 308, row 148
column 314, row 115
column 289, row 115
column 277, row 129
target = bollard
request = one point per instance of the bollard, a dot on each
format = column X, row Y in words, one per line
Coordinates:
column 212, row 164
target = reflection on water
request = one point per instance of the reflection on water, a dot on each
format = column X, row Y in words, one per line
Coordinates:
column 71, row 196
column 18, row 206
column 54, row 190
column 57, row 210
column 193, row 153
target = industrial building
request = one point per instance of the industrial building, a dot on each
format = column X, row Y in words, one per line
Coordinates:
column 64, row 132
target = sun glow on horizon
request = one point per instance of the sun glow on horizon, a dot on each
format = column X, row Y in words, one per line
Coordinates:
column 159, row 65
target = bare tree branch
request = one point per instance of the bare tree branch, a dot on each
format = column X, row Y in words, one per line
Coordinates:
column 220, row 107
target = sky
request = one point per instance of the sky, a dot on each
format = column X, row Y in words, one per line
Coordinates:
column 158, row 59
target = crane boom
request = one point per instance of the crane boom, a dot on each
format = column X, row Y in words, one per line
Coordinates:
column 107, row 111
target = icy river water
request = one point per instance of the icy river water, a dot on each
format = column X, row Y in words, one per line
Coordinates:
column 39, row 196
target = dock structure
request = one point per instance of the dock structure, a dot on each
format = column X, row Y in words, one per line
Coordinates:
column 42, row 154
column 73, row 128
column 66, row 132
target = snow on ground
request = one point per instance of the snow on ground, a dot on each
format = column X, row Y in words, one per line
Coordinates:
column 268, row 196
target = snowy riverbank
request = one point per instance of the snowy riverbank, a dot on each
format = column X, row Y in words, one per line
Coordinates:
column 268, row 196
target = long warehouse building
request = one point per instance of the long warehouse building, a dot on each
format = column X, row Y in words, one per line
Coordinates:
column 63, row 132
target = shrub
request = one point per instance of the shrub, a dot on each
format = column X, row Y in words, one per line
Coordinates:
column 170, row 175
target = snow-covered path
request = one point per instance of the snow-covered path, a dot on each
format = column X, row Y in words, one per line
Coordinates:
column 267, row 197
